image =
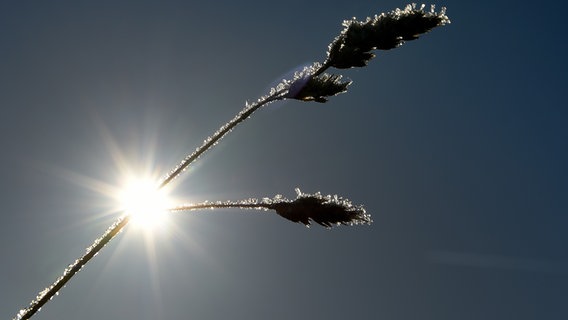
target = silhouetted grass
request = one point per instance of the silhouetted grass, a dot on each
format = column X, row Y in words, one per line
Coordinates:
column 353, row 47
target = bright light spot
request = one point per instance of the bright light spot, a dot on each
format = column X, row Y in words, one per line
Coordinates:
column 145, row 203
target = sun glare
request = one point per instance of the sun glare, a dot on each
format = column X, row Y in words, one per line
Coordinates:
column 145, row 203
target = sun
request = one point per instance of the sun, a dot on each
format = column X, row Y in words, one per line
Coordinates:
column 145, row 203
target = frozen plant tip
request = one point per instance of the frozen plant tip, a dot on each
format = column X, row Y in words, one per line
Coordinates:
column 352, row 48
column 327, row 211
column 308, row 85
column 317, row 88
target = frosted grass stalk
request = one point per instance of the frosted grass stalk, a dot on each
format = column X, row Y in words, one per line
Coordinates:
column 45, row 295
column 280, row 92
column 248, row 110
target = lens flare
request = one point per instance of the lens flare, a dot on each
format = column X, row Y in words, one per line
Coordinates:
column 146, row 204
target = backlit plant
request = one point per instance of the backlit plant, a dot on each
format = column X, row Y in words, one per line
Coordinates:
column 353, row 47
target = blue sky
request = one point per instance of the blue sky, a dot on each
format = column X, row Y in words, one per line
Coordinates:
column 455, row 143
